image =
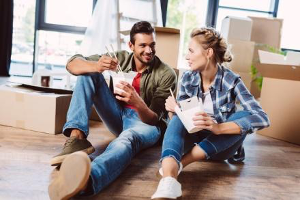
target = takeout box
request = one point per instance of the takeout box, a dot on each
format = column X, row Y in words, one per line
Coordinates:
column 122, row 76
column 280, row 95
column 33, row 109
column 186, row 112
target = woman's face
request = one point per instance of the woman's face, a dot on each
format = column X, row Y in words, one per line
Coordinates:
column 197, row 56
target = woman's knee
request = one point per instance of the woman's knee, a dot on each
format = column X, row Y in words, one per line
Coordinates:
column 175, row 125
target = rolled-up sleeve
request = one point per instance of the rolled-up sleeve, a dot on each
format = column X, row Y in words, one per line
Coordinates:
column 257, row 119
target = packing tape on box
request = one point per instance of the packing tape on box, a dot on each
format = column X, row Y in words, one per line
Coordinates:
column 19, row 97
column 20, row 123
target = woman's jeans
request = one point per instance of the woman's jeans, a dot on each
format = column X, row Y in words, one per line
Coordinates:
column 132, row 134
column 178, row 141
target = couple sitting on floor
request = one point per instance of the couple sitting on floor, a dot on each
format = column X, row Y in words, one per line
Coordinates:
column 137, row 114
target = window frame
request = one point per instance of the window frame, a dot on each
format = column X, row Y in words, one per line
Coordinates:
column 214, row 6
column 42, row 25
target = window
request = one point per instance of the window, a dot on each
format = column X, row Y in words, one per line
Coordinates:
column 23, row 38
column 66, row 12
column 290, row 31
column 59, row 32
column 244, row 8
column 55, row 48
column 261, row 5
column 185, row 15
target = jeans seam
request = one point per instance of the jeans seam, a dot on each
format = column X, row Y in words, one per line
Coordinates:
column 170, row 156
column 172, row 150
column 212, row 145
column 75, row 127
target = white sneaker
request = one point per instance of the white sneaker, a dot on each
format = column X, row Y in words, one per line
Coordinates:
column 169, row 188
column 160, row 171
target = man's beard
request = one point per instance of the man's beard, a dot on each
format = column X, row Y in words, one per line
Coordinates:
column 146, row 63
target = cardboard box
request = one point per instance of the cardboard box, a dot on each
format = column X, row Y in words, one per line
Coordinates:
column 280, row 96
column 34, row 110
column 167, row 45
column 266, row 31
column 242, row 52
column 236, row 28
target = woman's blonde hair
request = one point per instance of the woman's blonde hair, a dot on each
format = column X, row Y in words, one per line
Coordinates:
column 210, row 38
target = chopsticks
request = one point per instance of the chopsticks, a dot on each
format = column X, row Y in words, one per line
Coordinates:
column 115, row 56
column 172, row 94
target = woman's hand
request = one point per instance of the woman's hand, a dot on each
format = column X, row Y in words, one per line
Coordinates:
column 170, row 104
column 203, row 121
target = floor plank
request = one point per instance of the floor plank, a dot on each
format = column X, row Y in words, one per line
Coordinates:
column 271, row 169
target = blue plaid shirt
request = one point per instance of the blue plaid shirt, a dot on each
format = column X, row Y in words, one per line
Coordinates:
column 226, row 91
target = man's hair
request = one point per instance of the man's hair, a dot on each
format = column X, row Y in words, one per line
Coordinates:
column 140, row 27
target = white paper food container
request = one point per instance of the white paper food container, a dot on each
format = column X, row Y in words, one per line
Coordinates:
column 122, row 76
column 188, row 109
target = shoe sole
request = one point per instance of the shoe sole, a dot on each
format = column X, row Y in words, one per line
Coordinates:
column 72, row 177
column 168, row 198
column 56, row 161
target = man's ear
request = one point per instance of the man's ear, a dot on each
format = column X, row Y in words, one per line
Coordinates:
column 131, row 46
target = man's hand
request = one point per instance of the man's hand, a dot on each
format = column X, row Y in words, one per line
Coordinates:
column 204, row 121
column 128, row 95
column 170, row 104
column 106, row 63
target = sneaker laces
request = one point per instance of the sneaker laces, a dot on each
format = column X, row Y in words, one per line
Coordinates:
column 69, row 142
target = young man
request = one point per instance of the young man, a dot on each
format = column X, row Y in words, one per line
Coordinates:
column 135, row 115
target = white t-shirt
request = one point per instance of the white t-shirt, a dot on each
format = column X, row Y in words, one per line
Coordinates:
column 208, row 104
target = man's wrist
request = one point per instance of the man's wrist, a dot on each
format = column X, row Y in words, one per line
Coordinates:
column 140, row 105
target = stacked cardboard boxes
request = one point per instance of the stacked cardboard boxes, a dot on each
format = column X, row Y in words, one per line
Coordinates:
column 266, row 33
column 247, row 36
column 280, row 92
column 280, row 95
column 237, row 31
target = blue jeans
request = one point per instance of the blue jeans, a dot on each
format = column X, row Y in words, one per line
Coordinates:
column 132, row 134
column 178, row 141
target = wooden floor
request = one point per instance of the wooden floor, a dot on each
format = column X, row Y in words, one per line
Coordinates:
column 271, row 169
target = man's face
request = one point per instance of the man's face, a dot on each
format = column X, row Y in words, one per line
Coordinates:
column 143, row 47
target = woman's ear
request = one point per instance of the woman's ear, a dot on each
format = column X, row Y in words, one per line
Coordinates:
column 210, row 53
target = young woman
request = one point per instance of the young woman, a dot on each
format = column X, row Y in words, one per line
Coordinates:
column 223, row 128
